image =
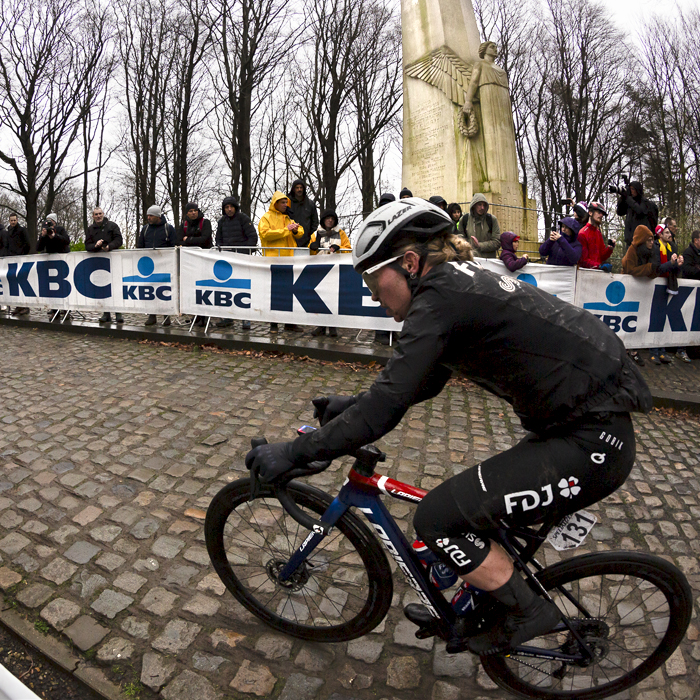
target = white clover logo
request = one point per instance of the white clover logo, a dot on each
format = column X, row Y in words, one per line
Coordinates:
column 569, row 487
column 443, row 542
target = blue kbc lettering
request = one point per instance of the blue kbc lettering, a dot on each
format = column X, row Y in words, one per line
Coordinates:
column 351, row 291
column 147, row 286
column 218, row 296
column 52, row 278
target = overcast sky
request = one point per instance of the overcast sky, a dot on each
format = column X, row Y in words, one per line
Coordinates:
column 628, row 12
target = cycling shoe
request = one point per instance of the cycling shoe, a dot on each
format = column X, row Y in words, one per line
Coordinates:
column 517, row 627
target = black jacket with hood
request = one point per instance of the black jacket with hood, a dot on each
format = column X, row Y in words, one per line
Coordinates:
column 691, row 262
column 552, row 361
column 15, row 241
column 198, row 232
column 304, row 213
column 108, row 232
column 160, row 235
column 236, row 230
column 637, row 212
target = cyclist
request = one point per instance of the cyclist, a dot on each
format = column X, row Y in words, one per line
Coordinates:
column 566, row 375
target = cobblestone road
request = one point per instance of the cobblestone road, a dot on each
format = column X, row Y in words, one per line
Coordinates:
column 111, row 451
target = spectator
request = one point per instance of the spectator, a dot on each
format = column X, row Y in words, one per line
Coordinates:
column 637, row 260
column 53, row 240
column 636, row 210
column 580, row 212
column 691, row 258
column 563, row 247
column 455, row 212
column 16, row 242
column 438, row 201
column 509, row 245
column 277, row 230
column 303, row 211
column 665, row 262
column 195, row 230
column 3, row 243
column 234, row 229
column 103, row 236
column 672, row 226
column 328, row 238
column 405, row 192
column 385, row 199
column 157, row 233
column 481, row 228
column 594, row 252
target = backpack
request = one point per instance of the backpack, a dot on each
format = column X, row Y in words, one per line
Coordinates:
column 465, row 220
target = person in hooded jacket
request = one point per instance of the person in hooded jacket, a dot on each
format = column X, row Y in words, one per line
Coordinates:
column 563, row 247
column 327, row 239
column 386, row 198
column 691, row 258
column 481, row 228
column 509, row 245
column 278, row 230
column 103, row 236
column 233, row 229
column 303, row 211
column 157, row 233
column 637, row 210
column 195, row 229
column 439, row 201
column 455, row 212
column 53, row 240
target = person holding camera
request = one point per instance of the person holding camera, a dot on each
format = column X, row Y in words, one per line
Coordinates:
column 16, row 242
column 594, row 252
column 563, row 247
column 637, row 210
column 53, row 239
column 103, row 236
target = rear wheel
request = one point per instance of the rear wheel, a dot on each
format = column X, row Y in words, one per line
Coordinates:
column 632, row 609
column 342, row 591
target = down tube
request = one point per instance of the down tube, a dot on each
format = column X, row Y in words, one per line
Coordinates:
column 333, row 513
column 396, row 544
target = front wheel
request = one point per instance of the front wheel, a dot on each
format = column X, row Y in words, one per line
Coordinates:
column 632, row 610
column 342, row 590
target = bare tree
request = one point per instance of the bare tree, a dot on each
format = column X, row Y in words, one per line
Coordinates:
column 250, row 41
column 376, row 95
column 147, row 55
column 51, row 66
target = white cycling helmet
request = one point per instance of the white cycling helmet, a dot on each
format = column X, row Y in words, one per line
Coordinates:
column 411, row 217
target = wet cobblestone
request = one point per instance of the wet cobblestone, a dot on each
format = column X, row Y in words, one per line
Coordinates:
column 111, row 450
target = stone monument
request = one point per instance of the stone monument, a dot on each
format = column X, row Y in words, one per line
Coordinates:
column 458, row 133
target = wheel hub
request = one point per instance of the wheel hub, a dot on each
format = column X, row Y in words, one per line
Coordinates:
column 595, row 634
column 295, row 582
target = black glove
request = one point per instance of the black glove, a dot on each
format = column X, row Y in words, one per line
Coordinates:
column 268, row 462
column 335, row 248
column 326, row 408
column 315, row 245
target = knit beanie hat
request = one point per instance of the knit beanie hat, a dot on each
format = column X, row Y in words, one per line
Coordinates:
column 155, row 210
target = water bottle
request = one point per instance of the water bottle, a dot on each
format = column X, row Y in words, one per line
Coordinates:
column 440, row 574
column 466, row 599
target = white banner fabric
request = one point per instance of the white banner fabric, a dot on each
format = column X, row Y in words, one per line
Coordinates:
column 640, row 310
column 127, row 281
column 555, row 279
column 321, row 290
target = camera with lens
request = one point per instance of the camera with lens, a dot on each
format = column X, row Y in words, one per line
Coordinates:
column 616, row 189
column 48, row 225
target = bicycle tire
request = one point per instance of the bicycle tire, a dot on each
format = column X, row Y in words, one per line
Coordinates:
column 655, row 614
column 342, row 592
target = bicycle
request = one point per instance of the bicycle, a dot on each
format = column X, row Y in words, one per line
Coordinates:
column 328, row 580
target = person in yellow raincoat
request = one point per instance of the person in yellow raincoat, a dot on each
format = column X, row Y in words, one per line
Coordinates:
column 277, row 230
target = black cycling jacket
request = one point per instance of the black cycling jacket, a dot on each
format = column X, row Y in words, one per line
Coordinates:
column 552, row 361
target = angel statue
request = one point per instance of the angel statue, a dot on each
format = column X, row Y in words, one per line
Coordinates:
column 484, row 83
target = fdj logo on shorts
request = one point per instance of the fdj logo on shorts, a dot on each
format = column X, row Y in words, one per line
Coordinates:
column 218, row 293
column 621, row 315
column 147, row 285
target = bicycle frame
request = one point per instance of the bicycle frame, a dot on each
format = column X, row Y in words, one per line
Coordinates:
column 364, row 494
